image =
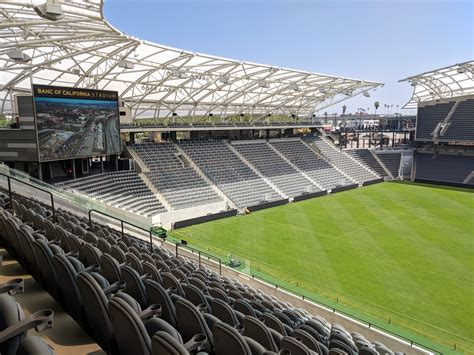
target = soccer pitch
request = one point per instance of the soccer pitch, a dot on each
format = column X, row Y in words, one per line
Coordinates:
column 399, row 255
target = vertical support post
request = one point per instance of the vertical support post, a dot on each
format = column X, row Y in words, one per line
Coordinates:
column 90, row 219
column 121, row 226
column 220, row 266
column 74, row 168
column 199, row 254
column 10, row 191
column 177, row 247
column 52, row 204
column 151, row 242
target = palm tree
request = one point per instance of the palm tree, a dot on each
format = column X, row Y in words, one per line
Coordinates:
column 376, row 105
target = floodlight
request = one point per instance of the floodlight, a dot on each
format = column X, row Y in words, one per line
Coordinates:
column 461, row 70
column 126, row 65
column 177, row 73
column 294, row 87
column 323, row 91
column 224, row 79
column 17, row 55
column 263, row 84
column 50, row 10
column 366, row 94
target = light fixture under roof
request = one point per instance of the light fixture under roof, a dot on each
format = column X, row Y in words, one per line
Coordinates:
column 263, row 84
column 294, row 87
column 126, row 65
column 366, row 94
column 17, row 55
column 323, row 90
column 224, row 79
column 50, row 10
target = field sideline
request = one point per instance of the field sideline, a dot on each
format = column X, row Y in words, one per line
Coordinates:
column 393, row 252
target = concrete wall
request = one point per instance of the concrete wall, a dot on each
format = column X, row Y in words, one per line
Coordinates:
column 168, row 218
column 19, row 144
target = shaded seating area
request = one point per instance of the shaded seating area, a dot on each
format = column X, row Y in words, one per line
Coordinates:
column 445, row 168
column 299, row 154
column 178, row 182
column 288, row 180
column 231, row 174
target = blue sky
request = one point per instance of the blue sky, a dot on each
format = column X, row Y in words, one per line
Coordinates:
column 368, row 39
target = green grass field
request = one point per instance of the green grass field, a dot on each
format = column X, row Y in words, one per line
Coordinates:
column 397, row 251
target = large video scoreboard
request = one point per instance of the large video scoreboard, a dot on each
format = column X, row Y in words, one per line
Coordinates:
column 74, row 122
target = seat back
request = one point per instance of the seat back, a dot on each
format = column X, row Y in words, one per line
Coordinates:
column 104, row 246
column 163, row 343
column 91, row 286
column 130, row 333
column 44, row 256
column 118, row 254
column 274, row 323
column 295, row 346
column 67, row 273
column 256, row 329
column 90, row 255
column 134, row 285
column 169, row 281
column 228, row 341
column 10, row 313
column 244, row 307
column 150, row 268
column 158, row 295
column 190, row 322
column 195, row 295
column 223, row 311
column 110, row 268
column 135, row 262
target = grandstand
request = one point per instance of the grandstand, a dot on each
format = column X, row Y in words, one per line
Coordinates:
column 93, row 248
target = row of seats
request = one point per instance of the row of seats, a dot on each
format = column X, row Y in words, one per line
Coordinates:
column 14, row 324
column 462, row 123
column 391, row 162
column 445, row 168
column 135, row 298
column 305, row 159
column 288, row 180
column 122, row 189
column 225, row 169
column 341, row 160
column 178, row 182
column 364, row 156
column 428, row 118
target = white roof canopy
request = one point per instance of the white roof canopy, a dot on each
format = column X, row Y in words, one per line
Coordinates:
column 82, row 49
column 444, row 83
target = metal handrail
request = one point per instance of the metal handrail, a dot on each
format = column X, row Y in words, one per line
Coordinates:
column 122, row 222
column 10, row 192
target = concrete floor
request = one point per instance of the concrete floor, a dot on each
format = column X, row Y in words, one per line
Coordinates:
column 66, row 336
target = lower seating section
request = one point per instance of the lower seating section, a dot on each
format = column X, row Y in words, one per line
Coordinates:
column 342, row 160
column 307, row 161
column 179, row 183
column 240, row 183
column 462, row 123
column 445, row 168
column 428, row 118
column 391, row 162
column 268, row 163
column 135, row 298
column 122, row 189
column 364, row 156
